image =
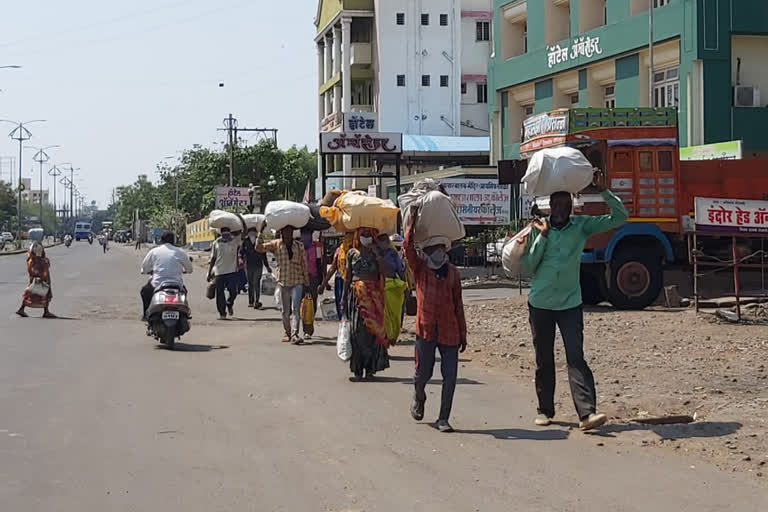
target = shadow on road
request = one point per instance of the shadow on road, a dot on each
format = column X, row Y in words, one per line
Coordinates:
column 409, row 380
column 184, row 347
column 702, row 429
column 516, row 434
column 411, row 358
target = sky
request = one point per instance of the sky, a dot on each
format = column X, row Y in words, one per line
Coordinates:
column 124, row 85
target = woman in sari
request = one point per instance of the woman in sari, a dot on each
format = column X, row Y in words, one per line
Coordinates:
column 363, row 303
column 39, row 270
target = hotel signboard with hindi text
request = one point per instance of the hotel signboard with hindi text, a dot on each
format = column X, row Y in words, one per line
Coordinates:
column 367, row 143
column 731, row 215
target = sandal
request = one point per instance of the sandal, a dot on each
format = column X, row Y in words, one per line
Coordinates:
column 297, row 340
column 22, row 314
column 48, row 314
column 286, row 338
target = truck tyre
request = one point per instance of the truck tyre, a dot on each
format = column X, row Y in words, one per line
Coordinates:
column 636, row 279
column 592, row 281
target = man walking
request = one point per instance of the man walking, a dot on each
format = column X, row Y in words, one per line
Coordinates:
column 255, row 262
column 553, row 259
column 292, row 277
column 440, row 323
column 223, row 268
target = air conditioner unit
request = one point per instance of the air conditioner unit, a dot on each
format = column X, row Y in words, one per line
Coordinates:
column 746, row 96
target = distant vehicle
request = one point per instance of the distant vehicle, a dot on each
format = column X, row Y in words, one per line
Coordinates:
column 5, row 236
column 36, row 234
column 494, row 250
column 82, row 230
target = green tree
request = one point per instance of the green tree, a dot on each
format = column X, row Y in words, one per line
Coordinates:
column 7, row 206
column 142, row 195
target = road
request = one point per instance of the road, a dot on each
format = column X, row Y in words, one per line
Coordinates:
column 93, row 416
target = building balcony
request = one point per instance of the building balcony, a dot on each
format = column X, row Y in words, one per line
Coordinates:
column 360, row 54
column 362, row 108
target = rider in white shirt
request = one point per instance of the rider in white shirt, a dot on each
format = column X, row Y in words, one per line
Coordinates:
column 166, row 264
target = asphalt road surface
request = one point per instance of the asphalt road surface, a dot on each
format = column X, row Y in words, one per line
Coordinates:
column 94, row 417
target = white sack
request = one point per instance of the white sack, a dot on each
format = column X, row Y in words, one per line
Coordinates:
column 513, row 251
column 253, row 221
column 437, row 218
column 219, row 219
column 344, row 341
column 418, row 191
column 280, row 214
column 562, row 169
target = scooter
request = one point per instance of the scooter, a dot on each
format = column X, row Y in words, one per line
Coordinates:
column 67, row 242
column 90, row 239
column 168, row 315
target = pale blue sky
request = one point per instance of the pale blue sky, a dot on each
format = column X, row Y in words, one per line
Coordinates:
column 125, row 84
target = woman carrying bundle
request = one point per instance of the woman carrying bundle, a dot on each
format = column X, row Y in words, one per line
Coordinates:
column 363, row 305
column 38, row 293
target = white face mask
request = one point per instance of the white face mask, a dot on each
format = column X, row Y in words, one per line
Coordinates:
column 252, row 236
column 437, row 259
column 366, row 240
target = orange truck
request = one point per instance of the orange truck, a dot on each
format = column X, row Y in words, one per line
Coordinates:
column 638, row 150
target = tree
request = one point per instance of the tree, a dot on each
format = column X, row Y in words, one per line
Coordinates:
column 141, row 196
column 7, row 206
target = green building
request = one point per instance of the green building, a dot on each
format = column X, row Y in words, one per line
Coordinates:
column 710, row 59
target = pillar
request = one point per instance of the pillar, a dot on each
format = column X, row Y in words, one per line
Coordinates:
column 328, row 57
column 321, row 80
column 346, row 82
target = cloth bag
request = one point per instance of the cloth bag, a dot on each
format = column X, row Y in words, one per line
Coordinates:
column 438, row 221
column 253, row 221
column 307, row 313
column 280, row 214
column 344, row 341
column 513, row 251
column 355, row 210
column 394, row 296
column 268, row 284
column 219, row 219
column 562, row 169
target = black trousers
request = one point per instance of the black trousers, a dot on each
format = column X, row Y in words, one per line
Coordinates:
column 226, row 282
column 582, row 383
column 254, row 273
column 146, row 295
column 449, row 368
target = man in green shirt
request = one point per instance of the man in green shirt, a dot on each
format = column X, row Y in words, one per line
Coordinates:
column 553, row 259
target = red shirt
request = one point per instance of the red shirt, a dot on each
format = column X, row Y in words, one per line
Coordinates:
column 440, row 316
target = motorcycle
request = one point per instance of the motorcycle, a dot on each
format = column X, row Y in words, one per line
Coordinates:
column 168, row 315
column 67, row 242
column 90, row 239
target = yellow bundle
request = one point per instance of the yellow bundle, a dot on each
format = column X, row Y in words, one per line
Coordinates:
column 354, row 210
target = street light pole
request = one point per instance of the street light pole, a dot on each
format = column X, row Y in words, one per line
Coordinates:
column 41, row 157
column 20, row 133
column 54, row 172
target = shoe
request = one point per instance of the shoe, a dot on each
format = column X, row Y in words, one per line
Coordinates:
column 251, row 306
column 357, row 377
column 444, row 426
column 417, row 410
column 542, row 420
column 307, row 336
column 257, row 305
column 297, row 340
column 592, row 421
column 223, row 316
column 231, row 310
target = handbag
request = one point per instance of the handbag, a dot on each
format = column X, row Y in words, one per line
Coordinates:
column 307, row 313
column 39, row 288
column 411, row 305
column 210, row 291
column 344, row 341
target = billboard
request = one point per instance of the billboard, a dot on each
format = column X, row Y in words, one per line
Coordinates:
column 731, row 215
column 480, row 201
column 232, row 197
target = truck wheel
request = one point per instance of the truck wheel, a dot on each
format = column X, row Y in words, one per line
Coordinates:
column 591, row 285
column 636, row 279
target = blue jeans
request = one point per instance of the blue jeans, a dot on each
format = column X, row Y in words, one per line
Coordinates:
column 291, row 297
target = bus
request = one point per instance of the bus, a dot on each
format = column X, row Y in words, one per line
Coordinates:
column 82, row 230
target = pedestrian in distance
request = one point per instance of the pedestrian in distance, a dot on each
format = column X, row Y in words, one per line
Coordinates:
column 440, row 322
column 292, row 277
column 363, row 306
column 338, row 271
column 38, row 293
column 553, row 259
column 314, row 266
column 255, row 263
column 222, row 268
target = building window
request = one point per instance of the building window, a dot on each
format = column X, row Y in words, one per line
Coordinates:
column 443, row 80
column 401, row 80
column 425, row 80
column 463, row 87
column 666, row 88
column 525, row 37
column 482, row 93
column 527, row 110
column 660, row 3
column 425, row 19
column 609, row 96
column 575, row 99
column 483, row 29
column 361, row 161
column 400, row 18
column 361, row 31
column 443, row 20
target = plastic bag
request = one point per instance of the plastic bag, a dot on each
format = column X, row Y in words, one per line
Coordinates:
column 307, row 313
column 268, row 284
column 344, row 341
column 562, row 169
column 219, row 219
column 253, row 221
column 280, row 214
column 39, row 288
column 278, row 298
column 328, row 310
column 513, row 251
column 394, row 296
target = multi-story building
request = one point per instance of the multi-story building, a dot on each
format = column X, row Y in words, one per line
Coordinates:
column 30, row 195
column 420, row 65
column 709, row 59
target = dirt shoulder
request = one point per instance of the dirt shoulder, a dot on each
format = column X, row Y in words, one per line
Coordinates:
column 650, row 363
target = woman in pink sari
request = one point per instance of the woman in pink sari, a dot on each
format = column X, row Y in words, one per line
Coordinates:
column 38, row 293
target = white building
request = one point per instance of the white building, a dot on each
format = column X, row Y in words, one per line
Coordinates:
column 419, row 64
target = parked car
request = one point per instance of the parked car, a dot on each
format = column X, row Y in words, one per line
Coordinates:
column 5, row 236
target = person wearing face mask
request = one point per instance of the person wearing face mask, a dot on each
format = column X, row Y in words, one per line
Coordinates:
column 313, row 263
column 553, row 260
column 225, row 253
column 394, row 287
column 255, row 263
column 363, row 306
column 292, row 277
column 38, row 268
column 440, row 322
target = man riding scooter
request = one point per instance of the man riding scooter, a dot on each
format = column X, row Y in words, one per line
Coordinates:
column 166, row 264
column 67, row 240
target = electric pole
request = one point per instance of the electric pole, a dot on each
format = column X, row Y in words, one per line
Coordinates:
column 54, row 172
column 20, row 133
column 42, row 157
column 230, row 123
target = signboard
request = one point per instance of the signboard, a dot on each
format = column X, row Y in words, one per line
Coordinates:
column 331, row 122
column 481, row 201
column 526, row 204
column 372, row 191
column 543, row 130
column 731, row 215
column 370, row 143
column 360, row 122
column 583, row 46
column 229, row 197
column 730, row 150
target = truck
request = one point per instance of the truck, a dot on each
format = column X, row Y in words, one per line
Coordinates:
column 638, row 151
column 82, row 230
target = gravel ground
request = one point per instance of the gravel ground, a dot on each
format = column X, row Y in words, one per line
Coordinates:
column 654, row 362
